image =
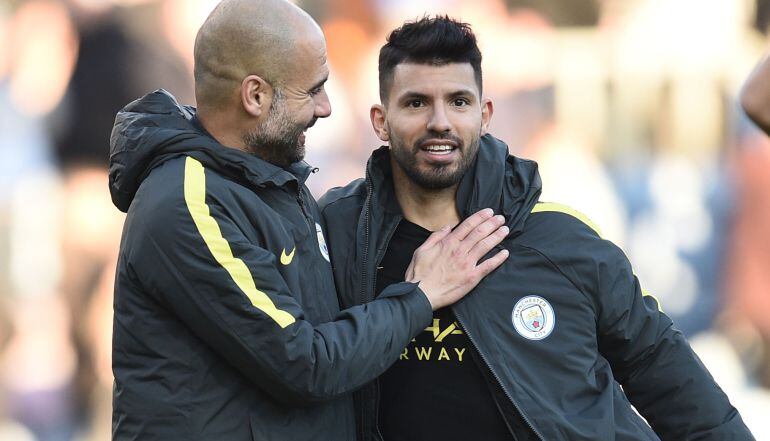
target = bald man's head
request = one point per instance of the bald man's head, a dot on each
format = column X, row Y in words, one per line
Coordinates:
column 249, row 37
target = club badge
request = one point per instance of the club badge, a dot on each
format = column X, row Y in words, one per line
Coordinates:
column 322, row 242
column 533, row 318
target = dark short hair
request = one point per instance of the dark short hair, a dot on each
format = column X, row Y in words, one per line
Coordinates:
column 435, row 40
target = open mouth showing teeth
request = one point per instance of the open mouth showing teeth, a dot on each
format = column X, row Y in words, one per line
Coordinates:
column 441, row 149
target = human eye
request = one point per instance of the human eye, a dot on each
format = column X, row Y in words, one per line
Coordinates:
column 415, row 103
column 315, row 91
column 460, row 102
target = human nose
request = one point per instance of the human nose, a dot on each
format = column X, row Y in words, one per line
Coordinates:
column 323, row 108
column 439, row 122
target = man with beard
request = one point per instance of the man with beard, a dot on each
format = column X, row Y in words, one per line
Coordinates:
column 227, row 324
column 542, row 349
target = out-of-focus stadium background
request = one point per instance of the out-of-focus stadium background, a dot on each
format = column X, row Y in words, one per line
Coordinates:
column 629, row 106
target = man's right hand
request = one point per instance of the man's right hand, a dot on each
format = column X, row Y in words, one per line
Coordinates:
column 447, row 265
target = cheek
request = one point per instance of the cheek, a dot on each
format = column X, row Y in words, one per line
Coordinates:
column 308, row 109
column 406, row 127
column 302, row 110
column 469, row 128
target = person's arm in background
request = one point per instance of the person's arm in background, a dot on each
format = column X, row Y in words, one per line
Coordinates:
column 755, row 95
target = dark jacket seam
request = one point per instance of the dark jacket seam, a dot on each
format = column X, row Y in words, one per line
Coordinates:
column 591, row 301
column 338, row 200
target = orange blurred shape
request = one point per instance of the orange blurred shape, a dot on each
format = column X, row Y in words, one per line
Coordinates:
column 748, row 279
column 347, row 41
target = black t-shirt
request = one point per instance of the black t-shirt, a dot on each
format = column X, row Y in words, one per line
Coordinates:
column 435, row 390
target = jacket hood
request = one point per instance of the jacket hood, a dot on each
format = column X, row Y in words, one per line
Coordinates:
column 509, row 185
column 502, row 181
column 156, row 128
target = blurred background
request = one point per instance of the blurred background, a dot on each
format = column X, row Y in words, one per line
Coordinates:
column 629, row 106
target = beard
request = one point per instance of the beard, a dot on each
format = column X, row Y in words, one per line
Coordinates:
column 277, row 139
column 436, row 176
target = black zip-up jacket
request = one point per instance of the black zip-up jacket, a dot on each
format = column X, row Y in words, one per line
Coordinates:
column 557, row 329
column 227, row 324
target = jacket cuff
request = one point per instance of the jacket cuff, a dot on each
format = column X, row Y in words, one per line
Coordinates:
column 415, row 301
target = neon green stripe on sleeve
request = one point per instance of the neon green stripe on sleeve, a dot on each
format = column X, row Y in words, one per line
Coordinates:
column 195, row 197
column 561, row 208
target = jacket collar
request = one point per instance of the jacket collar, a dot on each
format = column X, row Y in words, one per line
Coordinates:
column 156, row 128
column 496, row 180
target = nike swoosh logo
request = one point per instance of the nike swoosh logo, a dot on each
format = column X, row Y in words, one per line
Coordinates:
column 286, row 259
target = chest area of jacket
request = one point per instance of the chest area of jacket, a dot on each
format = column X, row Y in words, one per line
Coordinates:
column 287, row 226
column 527, row 310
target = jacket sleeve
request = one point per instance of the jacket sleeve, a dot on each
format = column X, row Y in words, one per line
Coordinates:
column 230, row 294
column 660, row 373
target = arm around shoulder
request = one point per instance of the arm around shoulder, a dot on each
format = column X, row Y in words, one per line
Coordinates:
column 231, row 295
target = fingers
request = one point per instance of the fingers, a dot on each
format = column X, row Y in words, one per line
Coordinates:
column 470, row 224
column 436, row 237
column 429, row 243
column 491, row 264
column 485, row 245
column 481, row 232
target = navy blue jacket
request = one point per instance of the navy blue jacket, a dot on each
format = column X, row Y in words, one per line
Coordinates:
column 227, row 324
column 557, row 329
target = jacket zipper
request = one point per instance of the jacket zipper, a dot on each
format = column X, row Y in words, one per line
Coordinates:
column 497, row 377
column 365, row 284
column 364, row 296
column 303, row 207
column 377, row 261
column 367, row 209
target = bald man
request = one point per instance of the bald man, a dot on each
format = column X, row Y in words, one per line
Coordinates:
column 226, row 319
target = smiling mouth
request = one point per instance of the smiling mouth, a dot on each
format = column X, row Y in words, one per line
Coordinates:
column 441, row 149
column 439, row 146
column 302, row 136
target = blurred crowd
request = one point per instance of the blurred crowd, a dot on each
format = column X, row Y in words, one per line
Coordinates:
column 629, row 107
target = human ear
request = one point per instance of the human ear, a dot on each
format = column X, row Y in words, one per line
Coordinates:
column 378, row 116
column 256, row 95
column 487, row 109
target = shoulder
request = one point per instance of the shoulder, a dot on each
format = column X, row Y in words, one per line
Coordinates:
column 163, row 186
column 574, row 245
column 342, row 199
column 562, row 219
column 568, row 237
column 183, row 177
column 174, row 190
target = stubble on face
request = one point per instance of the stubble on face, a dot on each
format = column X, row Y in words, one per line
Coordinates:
column 436, row 176
column 277, row 139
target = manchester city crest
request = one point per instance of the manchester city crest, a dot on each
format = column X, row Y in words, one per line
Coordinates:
column 322, row 241
column 533, row 318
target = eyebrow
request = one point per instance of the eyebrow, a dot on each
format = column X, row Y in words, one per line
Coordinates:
column 409, row 94
column 320, row 83
column 461, row 92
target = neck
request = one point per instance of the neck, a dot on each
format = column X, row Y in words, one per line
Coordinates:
column 221, row 126
column 430, row 209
